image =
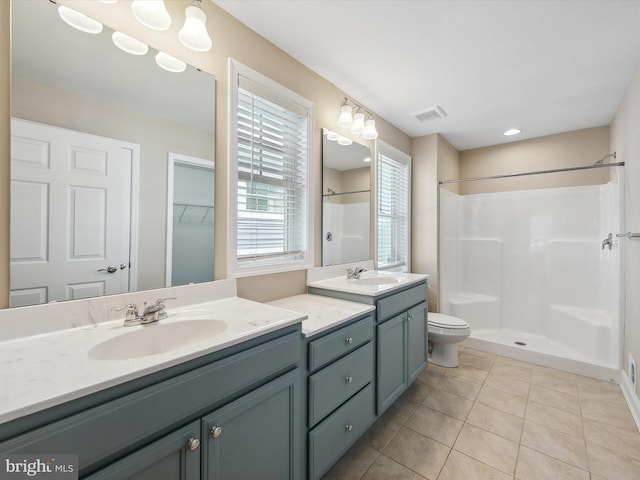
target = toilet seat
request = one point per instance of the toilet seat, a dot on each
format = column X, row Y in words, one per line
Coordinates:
column 446, row 321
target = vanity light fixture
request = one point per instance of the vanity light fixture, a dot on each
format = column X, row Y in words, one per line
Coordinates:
column 193, row 33
column 356, row 122
column 336, row 137
column 345, row 119
column 79, row 20
column 129, row 44
column 108, row 1
column 331, row 135
column 512, row 131
column 151, row 13
column 169, row 63
column 370, row 132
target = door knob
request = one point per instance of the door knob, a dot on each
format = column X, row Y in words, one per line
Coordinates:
column 109, row 269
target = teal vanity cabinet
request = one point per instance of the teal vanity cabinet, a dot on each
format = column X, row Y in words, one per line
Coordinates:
column 340, row 389
column 235, row 413
column 401, row 337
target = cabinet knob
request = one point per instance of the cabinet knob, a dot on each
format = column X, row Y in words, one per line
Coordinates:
column 348, row 379
column 348, row 427
column 216, row 432
column 193, row 444
column 349, row 340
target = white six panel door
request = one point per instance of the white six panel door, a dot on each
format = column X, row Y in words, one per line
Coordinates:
column 70, row 214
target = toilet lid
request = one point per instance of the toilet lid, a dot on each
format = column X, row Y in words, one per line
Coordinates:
column 446, row 321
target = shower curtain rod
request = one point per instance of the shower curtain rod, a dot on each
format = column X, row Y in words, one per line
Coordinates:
column 538, row 172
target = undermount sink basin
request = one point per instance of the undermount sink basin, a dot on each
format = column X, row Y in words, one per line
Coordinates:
column 157, row 338
column 386, row 280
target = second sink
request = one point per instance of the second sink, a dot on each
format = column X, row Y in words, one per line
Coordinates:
column 157, row 338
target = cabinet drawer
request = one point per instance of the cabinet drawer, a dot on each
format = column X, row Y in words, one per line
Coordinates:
column 394, row 304
column 329, row 440
column 103, row 433
column 336, row 344
column 335, row 383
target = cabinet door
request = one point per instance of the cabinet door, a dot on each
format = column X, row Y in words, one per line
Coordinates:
column 175, row 456
column 417, row 341
column 392, row 379
column 257, row 436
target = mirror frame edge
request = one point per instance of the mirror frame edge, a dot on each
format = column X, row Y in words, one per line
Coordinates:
column 5, row 153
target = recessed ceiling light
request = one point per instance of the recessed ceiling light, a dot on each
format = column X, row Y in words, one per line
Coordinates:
column 512, row 131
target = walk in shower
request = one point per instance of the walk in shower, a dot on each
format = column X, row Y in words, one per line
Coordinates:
column 534, row 274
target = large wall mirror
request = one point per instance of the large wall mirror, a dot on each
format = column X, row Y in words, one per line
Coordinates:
column 93, row 128
column 346, row 200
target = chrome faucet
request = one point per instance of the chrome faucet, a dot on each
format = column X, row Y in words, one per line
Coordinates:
column 150, row 314
column 355, row 273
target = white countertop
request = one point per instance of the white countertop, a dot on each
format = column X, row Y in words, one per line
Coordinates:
column 372, row 283
column 40, row 371
column 322, row 312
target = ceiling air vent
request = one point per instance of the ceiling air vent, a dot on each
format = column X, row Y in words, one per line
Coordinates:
column 430, row 113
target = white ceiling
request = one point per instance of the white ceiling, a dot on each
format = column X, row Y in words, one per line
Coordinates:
column 543, row 66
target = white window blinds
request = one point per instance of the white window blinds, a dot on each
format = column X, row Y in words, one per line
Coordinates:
column 272, row 155
column 393, row 196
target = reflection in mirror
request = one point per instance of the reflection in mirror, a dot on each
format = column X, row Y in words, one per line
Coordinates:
column 189, row 220
column 92, row 128
column 346, row 200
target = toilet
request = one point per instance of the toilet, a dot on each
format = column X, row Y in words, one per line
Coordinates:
column 445, row 332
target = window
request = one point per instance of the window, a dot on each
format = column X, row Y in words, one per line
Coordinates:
column 393, row 188
column 270, row 193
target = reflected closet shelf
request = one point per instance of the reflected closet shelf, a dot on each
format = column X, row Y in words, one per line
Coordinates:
column 190, row 213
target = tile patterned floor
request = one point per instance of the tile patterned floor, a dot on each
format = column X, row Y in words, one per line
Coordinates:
column 495, row 418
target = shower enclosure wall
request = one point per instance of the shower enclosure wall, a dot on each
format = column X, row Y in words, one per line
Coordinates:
column 527, row 270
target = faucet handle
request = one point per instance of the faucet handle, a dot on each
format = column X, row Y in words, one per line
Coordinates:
column 162, row 314
column 161, row 301
column 131, row 317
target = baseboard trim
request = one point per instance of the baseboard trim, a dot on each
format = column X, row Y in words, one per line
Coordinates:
column 630, row 396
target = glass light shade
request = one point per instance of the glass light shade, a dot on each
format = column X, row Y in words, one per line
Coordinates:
column 370, row 131
column 366, row 159
column 151, row 13
column 358, row 123
column 193, row 34
column 79, row 20
column 128, row 44
column 333, row 136
column 345, row 119
column 169, row 63
column 344, row 141
column 108, row 1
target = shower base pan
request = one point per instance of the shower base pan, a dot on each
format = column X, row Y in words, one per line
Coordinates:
column 539, row 350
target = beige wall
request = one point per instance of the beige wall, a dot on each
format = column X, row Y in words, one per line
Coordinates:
column 625, row 140
column 356, row 180
column 424, row 212
column 230, row 39
column 448, row 164
column 571, row 149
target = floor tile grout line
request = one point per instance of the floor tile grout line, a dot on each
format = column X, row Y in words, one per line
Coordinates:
column 433, row 384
